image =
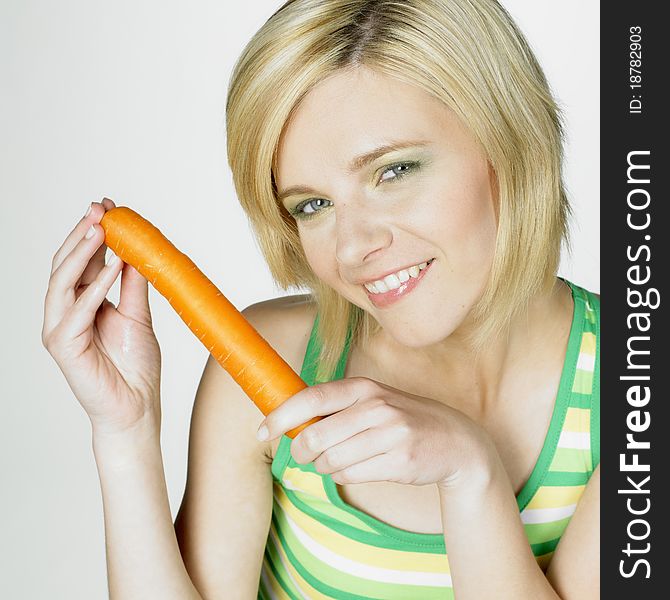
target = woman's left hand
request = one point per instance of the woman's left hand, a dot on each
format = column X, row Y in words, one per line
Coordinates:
column 374, row 432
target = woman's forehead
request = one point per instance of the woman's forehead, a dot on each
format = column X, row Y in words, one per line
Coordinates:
column 351, row 113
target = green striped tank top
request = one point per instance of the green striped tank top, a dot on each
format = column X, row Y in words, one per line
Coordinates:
column 318, row 546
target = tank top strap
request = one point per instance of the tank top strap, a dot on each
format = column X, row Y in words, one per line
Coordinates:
column 591, row 350
column 584, row 399
column 311, row 359
column 308, row 375
column 313, row 352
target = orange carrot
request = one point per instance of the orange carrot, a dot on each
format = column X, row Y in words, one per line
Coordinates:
column 263, row 375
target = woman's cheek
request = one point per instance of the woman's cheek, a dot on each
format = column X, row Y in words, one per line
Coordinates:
column 319, row 249
column 470, row 225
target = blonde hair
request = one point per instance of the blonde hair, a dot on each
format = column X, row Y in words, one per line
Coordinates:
column 467, row 53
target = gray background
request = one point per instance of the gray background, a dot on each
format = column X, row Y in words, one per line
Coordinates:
column 126, row 99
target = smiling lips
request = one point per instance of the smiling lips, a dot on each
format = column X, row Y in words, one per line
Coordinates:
column 392, row 287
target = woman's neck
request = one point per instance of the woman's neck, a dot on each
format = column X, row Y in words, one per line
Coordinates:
column 534, row 339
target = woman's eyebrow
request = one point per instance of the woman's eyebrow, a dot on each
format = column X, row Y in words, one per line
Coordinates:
column 357, row 163
column 362, row 160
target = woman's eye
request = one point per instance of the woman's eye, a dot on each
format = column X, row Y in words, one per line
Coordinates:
column 310, row 207
column 396, row 171
column 314, row 205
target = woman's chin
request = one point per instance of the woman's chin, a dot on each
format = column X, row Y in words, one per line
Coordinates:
column 422, row 335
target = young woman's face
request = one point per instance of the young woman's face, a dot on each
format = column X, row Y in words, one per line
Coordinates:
column 407, row 234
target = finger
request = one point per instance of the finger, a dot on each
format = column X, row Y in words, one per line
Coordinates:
column 82, row 314
column 108, row 203
column 94, row 266
column 98, row 261
column 333, row 430
column 375, row 468
column 134, row 296
column 80, row 229
column 318, row 400
column 356, row 449
column 61, row 291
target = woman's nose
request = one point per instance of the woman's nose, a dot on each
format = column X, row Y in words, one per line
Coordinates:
column 359, row 236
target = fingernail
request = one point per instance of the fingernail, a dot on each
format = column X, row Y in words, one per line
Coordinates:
column 262, row 434
column 90, row 233
column 88, row 212
column 113, row 260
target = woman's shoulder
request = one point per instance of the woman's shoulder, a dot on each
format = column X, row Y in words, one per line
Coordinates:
column 286, row 323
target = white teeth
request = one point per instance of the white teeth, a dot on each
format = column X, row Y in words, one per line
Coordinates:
column 392, row 281
column 395, row 280
column 380, row 286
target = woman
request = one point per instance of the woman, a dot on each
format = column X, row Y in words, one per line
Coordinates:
column 408, row 173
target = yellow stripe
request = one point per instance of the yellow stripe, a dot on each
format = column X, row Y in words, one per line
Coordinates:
column 578, row 420
column 303, row 585
column 555, row 497
column 352, row 549
column 310, row 483
column 588, row 343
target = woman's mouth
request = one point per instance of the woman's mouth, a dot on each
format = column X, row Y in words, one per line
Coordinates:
column 391, row 288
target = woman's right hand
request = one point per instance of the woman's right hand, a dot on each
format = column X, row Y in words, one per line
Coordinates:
column 109, row 355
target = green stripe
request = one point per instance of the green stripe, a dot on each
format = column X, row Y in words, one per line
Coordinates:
column 305, row 468
column 342, row 362
column 371, row 539
column 595, row 407
column 421, row 542
column 571, row 460
column 310, row 568
column 308, row 375
column 560, row 406
column 557, row 479
column 580, row 400
column 282, row 457
column 396, row 538
column 329, row 515
column 541, row 532
column 593, row 309
column 273, row 560
column 262, row 591
column 312, row 355
column 544, row 547
column 322, row 509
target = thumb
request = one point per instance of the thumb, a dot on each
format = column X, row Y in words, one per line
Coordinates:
column 134, row 296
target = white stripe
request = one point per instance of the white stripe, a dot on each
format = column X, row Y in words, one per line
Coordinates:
column 586, row 362
column 366, row 571
column 547, row 515
column 277, row 544
column 576, row 440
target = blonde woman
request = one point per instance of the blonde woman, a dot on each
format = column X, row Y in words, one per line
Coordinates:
column 401, row 161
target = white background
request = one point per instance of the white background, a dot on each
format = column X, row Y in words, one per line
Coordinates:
column 126, row 99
